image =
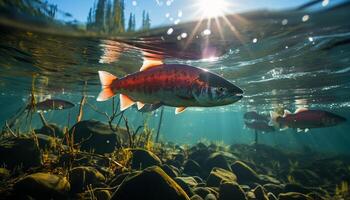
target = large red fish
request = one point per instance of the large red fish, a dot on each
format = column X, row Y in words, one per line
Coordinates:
column 174, row 85
column 304, row 119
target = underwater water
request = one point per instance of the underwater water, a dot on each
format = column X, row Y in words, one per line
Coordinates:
column 282, row 60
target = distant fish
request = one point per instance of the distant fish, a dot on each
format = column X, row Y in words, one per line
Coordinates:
column 174, row 85
column 260, row 126
column 252, row 115
column 304, row 119
column 53, row 104
column 150, row 107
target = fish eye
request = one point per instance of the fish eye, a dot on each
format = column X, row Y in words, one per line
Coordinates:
column 221, row 89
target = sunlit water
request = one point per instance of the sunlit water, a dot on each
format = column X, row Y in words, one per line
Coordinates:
column 286, row 59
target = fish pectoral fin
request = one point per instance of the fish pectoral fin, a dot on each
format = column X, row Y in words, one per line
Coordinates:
column 140, row 105
column 286, row 112
column 125, row 102
column 179, row 110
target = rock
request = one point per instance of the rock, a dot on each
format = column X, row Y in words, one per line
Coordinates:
column 152, row 183
column 263, row 179
column 244, row 173
column 4, row 173
column 50, row 130
column 180, row 158
column 43, row 186
column 196, row 197
column 102, row 195
column 316, row 196
column 81, row 177
column 271, row 196
column 292, row 187
column 210, row 197
column 217, row 175
column 120, row 178
column 47, row 142
column 142, row 159
column 293, row 196
column 190, row 181
column 260, row 193
column 202, row 191
column 192, row 168
column 275, row 189
column 231, row 190
column 186, row 184
column 200, row 155
column 21, row 151
column 217, row 160
column 305, row 177
column 171, row 171
column 94, row 136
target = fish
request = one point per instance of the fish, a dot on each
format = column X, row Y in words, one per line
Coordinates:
column 52, row 104
column 260, row 126
column 174, row 85
column 304, row 119
column 252, row 115
column 150, row 107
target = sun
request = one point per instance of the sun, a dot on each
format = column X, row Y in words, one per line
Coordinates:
column 212, row 8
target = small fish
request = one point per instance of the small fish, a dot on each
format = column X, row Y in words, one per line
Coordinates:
column 252, row 115
column 260, row 126
column 150, row 107
column 53, row 104
column 304, row 119
column 173, row 85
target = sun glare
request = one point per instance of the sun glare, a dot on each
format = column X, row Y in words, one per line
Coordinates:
column 212, row 8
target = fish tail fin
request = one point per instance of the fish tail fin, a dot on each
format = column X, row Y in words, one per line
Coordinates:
column 273, row 121
column 106, row 80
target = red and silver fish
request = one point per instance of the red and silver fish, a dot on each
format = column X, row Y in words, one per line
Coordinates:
column 173, row 85
column 304, row 119
column 52, row 104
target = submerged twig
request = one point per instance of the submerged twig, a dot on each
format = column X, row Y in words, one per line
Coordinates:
column 160, row 123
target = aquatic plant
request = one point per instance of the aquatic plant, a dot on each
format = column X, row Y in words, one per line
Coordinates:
column 342, row 189
column 291, row 179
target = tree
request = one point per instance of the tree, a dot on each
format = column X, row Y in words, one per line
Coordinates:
column 130, row 23
column 147, row 22
column 133, row 23
column 109, row 17
column 100, row 15
column 143, row 26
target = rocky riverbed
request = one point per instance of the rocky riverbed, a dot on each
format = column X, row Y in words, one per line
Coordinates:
column 43, row 167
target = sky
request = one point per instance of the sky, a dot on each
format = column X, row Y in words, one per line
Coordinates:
column 166, row 12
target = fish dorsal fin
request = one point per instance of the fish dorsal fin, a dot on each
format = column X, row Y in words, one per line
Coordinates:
column 150, row 63
column 125, row 102
column 286, row 113
column 179, row 110
column 301, row 110
column 140, row 105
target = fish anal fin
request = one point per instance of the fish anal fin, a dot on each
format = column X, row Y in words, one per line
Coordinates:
column 179, row 110
column 286, row 112
column 125, row 102
column 105, row 94
column 140, row 105
column 301, row 110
